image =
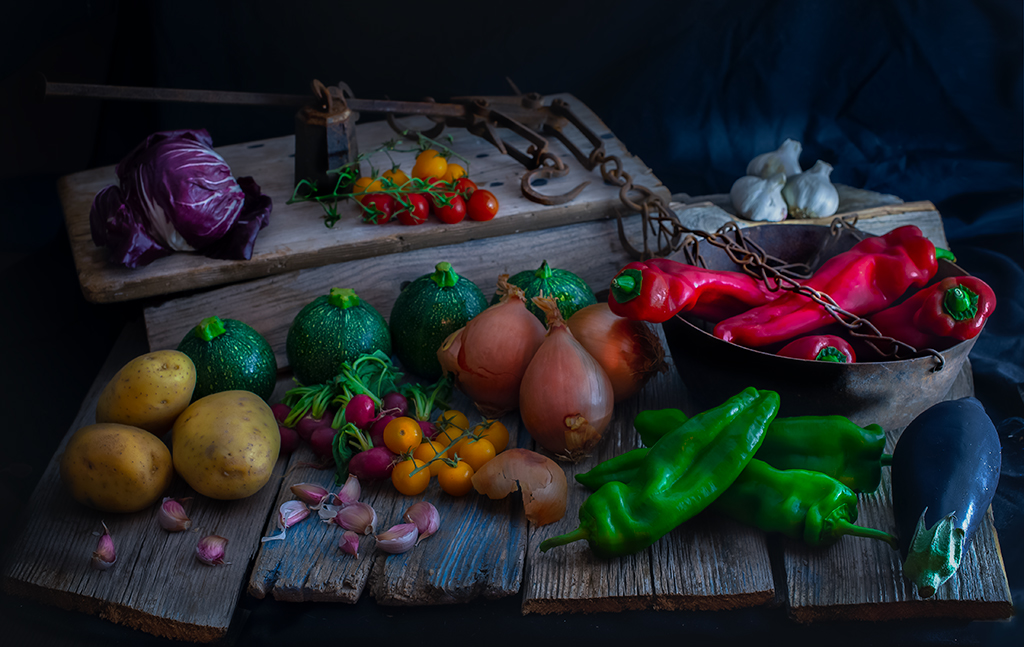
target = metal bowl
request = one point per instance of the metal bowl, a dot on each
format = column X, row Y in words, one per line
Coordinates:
column 889, row 393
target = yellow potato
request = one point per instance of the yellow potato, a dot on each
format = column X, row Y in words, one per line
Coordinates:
column 225, row 445
column 116, row 468
column 149, row 392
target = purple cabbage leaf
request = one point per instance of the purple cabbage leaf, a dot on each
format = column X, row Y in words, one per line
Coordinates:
column 175, row 193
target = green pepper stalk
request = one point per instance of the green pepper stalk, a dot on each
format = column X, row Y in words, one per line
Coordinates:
column 800, row 504
column 680, row 476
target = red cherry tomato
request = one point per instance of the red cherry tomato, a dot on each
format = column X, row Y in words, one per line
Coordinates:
column 379, row 207
column 465, row 187
column 482, row 206
column 451, row 213
column 417, row 211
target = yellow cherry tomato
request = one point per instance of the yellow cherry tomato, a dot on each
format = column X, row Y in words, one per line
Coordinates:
column 429, row 163
column 494, row 431
column 454, row 172
column 475, row 451
column 397, row 177
column 426, row 451
column 403, row 434
column 457, row 480
column 367, row 185
column 408, row 483
column 453, row 419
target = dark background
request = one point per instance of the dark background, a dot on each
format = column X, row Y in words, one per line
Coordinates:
column 919, row 99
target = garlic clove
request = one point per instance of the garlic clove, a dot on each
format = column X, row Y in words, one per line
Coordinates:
column 398, row 539
column 289, row 514
column 311, row 494
column 350, row 492
column 358, row 517
column 811, row 194
column 426, row 518
column 211, row 550
column 327, row 512
column 104, row 556
column 786, row 159
column 172, row 517
column 349, row 543
column 759, row 199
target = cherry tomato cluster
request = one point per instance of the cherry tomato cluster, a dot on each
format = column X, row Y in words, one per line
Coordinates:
column 453, row 455
column 436, row 186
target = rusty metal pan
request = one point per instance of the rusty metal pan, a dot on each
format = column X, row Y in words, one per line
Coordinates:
column 889, row 393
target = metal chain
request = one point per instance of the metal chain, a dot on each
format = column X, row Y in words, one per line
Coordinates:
column 661, row 222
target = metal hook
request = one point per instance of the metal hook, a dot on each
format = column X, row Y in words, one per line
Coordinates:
column 545, row 171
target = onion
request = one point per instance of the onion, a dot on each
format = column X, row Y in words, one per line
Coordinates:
column 543, row 483
column 566, row 399
column 489, row 356
column 628, row 351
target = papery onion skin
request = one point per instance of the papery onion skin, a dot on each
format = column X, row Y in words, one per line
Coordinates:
column 566, row 399
column 544, row 486
column 629, row 351
column 489, row 356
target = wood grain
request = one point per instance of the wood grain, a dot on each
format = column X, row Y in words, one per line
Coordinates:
column 591, row 250
column 296, row 237
column 156, row 585
column 707, row 563
column 875, row 220
column 478, row 550
column 862, row 579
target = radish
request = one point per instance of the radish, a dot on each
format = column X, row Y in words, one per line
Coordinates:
column 307, row 424
column 281, row 411
column 377, row 430
column 429, row 429
column 375, row 463
column 395, row 400
column 359, row 411
column 289, row 439
column 322, row 440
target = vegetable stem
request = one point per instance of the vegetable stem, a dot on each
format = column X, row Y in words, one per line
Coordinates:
column 567, row 538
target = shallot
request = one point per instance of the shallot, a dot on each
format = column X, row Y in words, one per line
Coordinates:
column 566, row 398
column 628, row 351
column 544, row 486
column 489, row 356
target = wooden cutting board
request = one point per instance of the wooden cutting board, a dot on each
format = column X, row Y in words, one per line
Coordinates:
column 297, row 238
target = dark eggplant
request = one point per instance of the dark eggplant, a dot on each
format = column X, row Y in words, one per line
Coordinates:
column 945, row 468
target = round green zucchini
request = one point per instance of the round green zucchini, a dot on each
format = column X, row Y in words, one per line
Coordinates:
column 229, row 355
column 426, row 312
column 568, row 290
column 332, row 329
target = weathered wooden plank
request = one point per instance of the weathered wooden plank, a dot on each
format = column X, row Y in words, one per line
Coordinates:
column 862, row 579
column 707, row 563
column 296, row 237
column 478, row 550
column 157, row 585
column 850, row 199
column 875, row 220
column 591, row 250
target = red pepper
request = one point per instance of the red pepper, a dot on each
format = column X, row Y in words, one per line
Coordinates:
column 658, row 289
column 942, row 315
column 864, row 280
column 824, row 348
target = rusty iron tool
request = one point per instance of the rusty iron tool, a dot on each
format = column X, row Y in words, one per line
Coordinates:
column 325, row 136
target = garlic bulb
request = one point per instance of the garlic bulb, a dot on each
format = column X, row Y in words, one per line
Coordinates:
column 784, row 160
column 810, row 194
column 759, row 199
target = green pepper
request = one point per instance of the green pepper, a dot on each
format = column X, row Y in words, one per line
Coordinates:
column 832, row 445
column 800, row 504
column 679, row 476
